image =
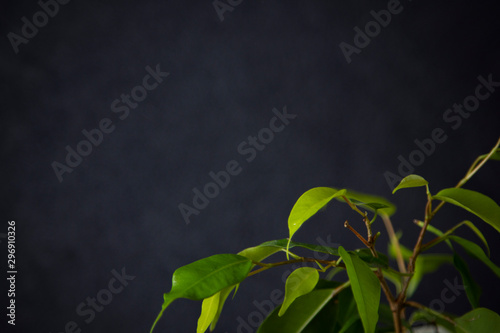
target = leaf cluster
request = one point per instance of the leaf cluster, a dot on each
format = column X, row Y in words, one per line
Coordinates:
column 315, row 304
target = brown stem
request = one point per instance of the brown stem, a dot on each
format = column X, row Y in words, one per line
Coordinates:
column 346, row 224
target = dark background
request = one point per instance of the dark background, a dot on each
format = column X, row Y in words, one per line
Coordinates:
column 119, row 207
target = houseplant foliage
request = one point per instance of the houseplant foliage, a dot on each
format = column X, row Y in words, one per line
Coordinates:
column 314, row 304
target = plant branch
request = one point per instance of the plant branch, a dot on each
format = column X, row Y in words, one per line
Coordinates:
column 429, row 310
column 353, row 206
column 346, row 224
column 472, row 170
column 395, row 242
column 265, row 266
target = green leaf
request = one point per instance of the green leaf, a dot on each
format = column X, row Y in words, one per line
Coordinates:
column 425, row 264
column 494, row 156
column 431, row 317
column 381, row 261
column 256, row 253
column 372, row 206
column 203, row 278
column 365, row 287
column 299, row 314
column 475, row 250
column 208, row 311
column 436, row 232
column 370, row 202
column 308, row 204
column 282, row 245
column 475, row 202
column 354, row 324
column 300, row 282
column 411, row 181
column 223, row 295
column 348, row 308
column 480, row 320
column 444, row 236
column 475, row 230
column 259, row 252
column 325, row 320
column 472, row 289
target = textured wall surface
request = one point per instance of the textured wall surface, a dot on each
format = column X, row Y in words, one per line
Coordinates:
column 176, row 91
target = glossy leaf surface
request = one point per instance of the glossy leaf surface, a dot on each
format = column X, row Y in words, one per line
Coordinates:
column 411, row 181
column 203, row 278
column 480, row 320
column 308, row 204
column 300, row 282
column 477, row 203
column 208, row 311
column 255, row 253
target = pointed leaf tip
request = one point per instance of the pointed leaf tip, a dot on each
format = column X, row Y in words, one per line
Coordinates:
column 411, row 181
column 300, row 282
column 309, row 204
column 477, row 203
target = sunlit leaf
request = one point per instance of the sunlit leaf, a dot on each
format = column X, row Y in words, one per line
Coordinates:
column 411, row 181
column 480, row 320
column 223, row 295
column 208, row 310
column 300, row 282
column 475, row 202
column 203, row 278
column 308, row 204
column 255, row 253
column 472, row 289
column 365, row 288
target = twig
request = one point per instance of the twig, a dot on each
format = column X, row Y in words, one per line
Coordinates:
column 346, row 224
column 426, row 309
